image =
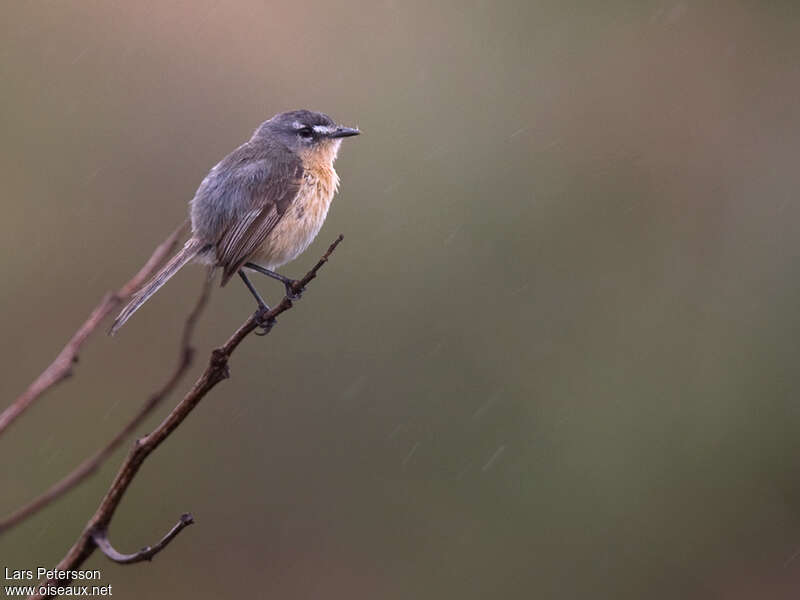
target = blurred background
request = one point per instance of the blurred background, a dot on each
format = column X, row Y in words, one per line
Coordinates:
column 555, row 357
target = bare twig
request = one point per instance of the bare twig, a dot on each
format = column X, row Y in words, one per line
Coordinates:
column 61, row 367
column 100, row 538
column 216, row 371
column 91, row 464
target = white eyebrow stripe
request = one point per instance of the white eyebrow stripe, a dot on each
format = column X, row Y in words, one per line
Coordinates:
column 324, row 129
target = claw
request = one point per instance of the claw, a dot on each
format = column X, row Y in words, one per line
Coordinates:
column 290, row 293
column 264, row 324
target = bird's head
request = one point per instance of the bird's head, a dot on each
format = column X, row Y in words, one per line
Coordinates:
column 310, row 134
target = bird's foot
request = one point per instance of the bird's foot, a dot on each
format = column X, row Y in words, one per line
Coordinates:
column 265, row 323
column 291, row 294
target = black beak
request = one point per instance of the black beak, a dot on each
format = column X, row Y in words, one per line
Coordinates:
column 343, row 132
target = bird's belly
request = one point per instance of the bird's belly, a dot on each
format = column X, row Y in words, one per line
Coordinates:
column 297, row 228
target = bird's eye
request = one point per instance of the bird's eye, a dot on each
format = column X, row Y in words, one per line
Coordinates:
column 305, row 132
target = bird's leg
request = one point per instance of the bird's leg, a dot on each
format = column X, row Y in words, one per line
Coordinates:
column 287, row 282
column 263, row 308
column 261, row 304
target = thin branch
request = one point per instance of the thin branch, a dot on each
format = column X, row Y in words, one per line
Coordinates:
column 61, row 367
column 100, row 538
column 91, row 464
column 216, row 371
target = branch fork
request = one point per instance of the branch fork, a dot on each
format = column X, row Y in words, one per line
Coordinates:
column 100, row 538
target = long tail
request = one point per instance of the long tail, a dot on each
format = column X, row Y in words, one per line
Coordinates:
column 189, row 251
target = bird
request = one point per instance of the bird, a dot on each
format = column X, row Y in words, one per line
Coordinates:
column 261, row 206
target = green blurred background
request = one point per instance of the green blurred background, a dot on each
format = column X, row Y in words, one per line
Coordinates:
column 555, row 356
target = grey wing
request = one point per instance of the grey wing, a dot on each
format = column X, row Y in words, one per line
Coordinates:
column 257, row 188
column 243, row 239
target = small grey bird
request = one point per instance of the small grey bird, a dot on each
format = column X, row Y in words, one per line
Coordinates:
column 261, row 205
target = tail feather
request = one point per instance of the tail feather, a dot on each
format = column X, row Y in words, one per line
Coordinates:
column 189, row 251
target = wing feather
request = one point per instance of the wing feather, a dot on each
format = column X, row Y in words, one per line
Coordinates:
column 251, row 189
column 245, row 238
